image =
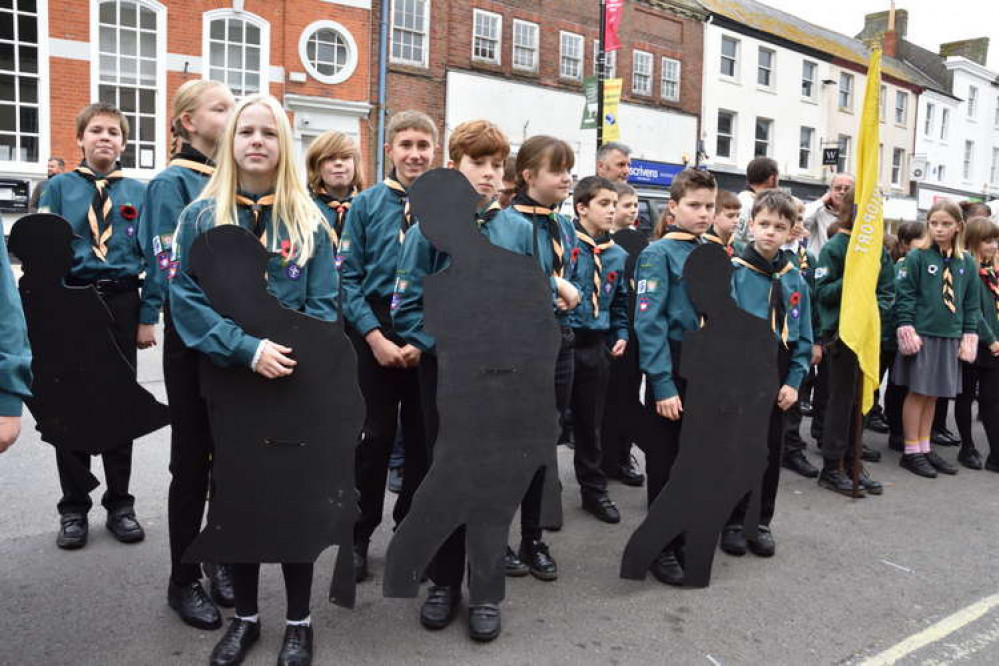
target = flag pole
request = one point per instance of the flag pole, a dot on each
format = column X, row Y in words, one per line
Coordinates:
column 601, row 60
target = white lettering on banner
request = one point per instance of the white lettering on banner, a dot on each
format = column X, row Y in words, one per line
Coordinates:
column 644, row 172
column 865, row 234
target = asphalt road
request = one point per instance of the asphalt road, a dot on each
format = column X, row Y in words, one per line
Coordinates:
column 850, row 581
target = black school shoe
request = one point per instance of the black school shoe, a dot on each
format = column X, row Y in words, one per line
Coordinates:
column 798, row 463
column 123, row 525
column 944, row 437
column 296, row 648
column 538, row 559
column 733, row 540
column 667, row 569
column 513, row 565
column 484, row 622
column 939, row 464
column 969, row 457
column 868, row 454
column 837, row 481
column 763, row 545
column 73, row 531
column 602, row 507
column 235, row 643
column 806, row 409
column 193, row 605
column 440, row 607
column 220, row 584
column 629, row 473
column 918, row 465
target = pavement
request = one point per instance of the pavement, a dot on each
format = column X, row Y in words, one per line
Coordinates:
column 910, row 578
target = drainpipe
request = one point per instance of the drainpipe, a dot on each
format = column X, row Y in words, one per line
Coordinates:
column 382, row 85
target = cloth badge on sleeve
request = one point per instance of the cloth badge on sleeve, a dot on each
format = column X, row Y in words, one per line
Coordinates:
column 795, row 313
column 821, row 272
column 396, row 301
column 157, row 245
column 174, row 265
column 932, row 269
column 652, row 285
column 163, row 260
column 345, row 245
column 642, row 286
column 130, row 231
column 902, row 272
column 166, row 240
column 643, row 304
column 293, row 271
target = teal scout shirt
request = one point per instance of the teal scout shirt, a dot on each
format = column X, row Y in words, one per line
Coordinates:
column 311, row 289
column 612, row 299
column 919, row 294
column 15, row 354
column 988, row 324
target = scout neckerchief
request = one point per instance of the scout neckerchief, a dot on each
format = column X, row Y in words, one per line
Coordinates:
column 948, row 278
column 988, row 274
column 191, row 158
column 257, row 213
column 407, row 219
column 340, row 206
column 598, row 246
column 712, row 236
column 676, row 233
column 775, row 270
column 486, row 215
column 100, row 207
column 525, row 205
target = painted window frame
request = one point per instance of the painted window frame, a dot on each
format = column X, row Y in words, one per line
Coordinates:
column 806, row 149
column 423, row 33
column 733, row 117
column 353, row 57
column 666, row 83
column 768, row 141
column 771, row 70
column 901, row 110
column 848, row 91
column 41, row 77
column 734, row 58
column 565, row 38
column 533, row 48
column 265, row 45
column 496, row 21
column 809, row 82
column 610, row 61
column 650, row 61
column 897, row 166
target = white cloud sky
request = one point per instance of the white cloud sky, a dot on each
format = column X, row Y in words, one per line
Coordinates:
column 931, row 22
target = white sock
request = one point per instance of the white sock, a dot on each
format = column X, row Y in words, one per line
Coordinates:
column 249, row 618
column 307, row 622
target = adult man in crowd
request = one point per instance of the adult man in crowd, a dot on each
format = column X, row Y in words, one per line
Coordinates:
column 823, row 212
column 761, row 174
column 55, row 167
column 613, row 162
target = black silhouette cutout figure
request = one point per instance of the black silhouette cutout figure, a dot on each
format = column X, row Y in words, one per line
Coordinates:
column 283, row 465
column 730, row 366
column 85, row 394
column 490, row 312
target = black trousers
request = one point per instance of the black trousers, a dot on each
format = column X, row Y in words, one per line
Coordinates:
column 984, row 378
column 622, row 410
column 820, row 398
column 124, row 307
column 661, row 439
column 940, row 414
column 297, row 587
column 591, row 371
column 771, row 476
column 191, row 448
column 894, row 394
column 530, row 507
column 841, row 408
column 792, row 430
column 391, row 396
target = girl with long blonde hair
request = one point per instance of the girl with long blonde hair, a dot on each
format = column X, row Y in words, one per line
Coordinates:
column 257, row 186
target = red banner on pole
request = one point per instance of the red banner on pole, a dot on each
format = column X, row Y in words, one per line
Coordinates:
column 613, row 18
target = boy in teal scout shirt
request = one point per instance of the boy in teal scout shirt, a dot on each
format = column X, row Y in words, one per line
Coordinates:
column 600, row 327
column 478, row 149
column 333, row 167
column 663, row 313
column 368, row 257
column 15, row 356
column 103, row 208
column 766, row 283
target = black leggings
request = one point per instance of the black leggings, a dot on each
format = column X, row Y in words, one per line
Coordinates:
column 297, row 586
column 986, row 381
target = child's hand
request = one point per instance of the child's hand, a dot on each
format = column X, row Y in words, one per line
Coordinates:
column 10, row 428
column 816, row 354
column 994, row 348
column 786, row 397
column 568, row 295
column 909, row 342
column 617, row 351
column 969, row 348
column 387, row 353
column 146, row 336
column 273, row 362
column 411, row 355
column 670, row 408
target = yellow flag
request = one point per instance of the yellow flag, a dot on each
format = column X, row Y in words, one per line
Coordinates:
column 859, row 319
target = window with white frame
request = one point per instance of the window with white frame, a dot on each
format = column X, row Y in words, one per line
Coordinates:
column 901, row 107
column 487, row 32
column 670, row 88
column 765, row 67
column 897, row 162
column 729, row 56
column 882, row 102
column 809, row 70
column 237, row 50
column 641, row 73
column 941, row 173
column 807, row 140
column 846, row 91
column 994, row 169
column 725, row 134
column 764, row 137
column 328, row 51
column 844, row 143
column 20, row 118
column 128, row 73
column 944, row 123
column 996, row 121
column 972, row 102
column 928, row 123
column 525, row 45
column 969, row 158
column 571, row 56
column 410, row 19
column 610, row 61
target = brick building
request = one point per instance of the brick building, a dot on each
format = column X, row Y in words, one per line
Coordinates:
column 313, row 55
column 521, row 64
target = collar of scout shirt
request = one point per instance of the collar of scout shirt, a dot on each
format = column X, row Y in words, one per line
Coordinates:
column 774, row 269
column 527, row 206
column 100, row 206
column 712, row 237
column 257, row 207
column 191, row 158
column 676, row 233
column 598, row 245
column 392, row 182
column 341, row 206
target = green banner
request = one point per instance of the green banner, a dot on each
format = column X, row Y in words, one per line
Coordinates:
column 590, row 103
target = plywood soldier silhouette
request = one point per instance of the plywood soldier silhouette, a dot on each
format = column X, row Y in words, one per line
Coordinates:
column 490, row 312
column 730, row 367
column 284, row 448
column 80, row 373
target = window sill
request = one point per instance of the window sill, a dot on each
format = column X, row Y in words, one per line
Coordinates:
column 732, row 81
column 524, row 71
column 487, row 63
column 900, row 126
column 845, row 110
column 766, row 89
column 568, row 79
column 408, row 68
column 809, row 100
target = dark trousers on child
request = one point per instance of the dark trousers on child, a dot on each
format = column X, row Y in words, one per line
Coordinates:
column 841, row 408
column 820, row 398
column 661, row 441
column 894, row 394
column 984, row 378
column 391, row 396
column 591, row 371
column 191, row 448
column 297, row 587
column 124, row 308
column 623, row 411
